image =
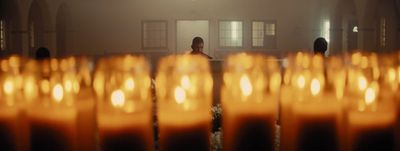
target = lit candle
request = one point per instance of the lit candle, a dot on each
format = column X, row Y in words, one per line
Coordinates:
column 53, row 118
column 85, row 103
column 316, row 118
column 184, row 86
column 124, row 114
column 249, row 102
column 371, row 123
column 8, row 117
column 295, row 80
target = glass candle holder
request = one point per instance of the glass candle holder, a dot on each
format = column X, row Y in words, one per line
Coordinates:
column 316, row 113
column 53, row 116
column 249, row 102
column 183, row 88
column 10, row 109
column 124, row 114
column 371, row 117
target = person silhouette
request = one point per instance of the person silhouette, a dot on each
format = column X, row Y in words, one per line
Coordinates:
column 197, row 47
column 42, row 53
column 320, row 46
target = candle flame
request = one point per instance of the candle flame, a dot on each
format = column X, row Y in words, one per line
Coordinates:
column 180, row 95
column 392, row 75
column 8, row 87
column 45, row 86
column 245, row 85
column 370, row 96
column 362, row 83
column 301, row 82
column 118, row 98
column 185, row 82
column 58, row 93
column 30, row 90
column 130, row 84
column 68, row 85
column 315, row 87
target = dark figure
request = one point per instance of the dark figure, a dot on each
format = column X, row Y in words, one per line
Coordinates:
column 197, row 47
column 320, row 46
column 42, row 53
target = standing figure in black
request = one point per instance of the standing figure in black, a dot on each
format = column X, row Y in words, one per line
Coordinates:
column 197, row 47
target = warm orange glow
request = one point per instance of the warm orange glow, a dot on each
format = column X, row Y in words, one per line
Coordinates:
column 45, row 86
column 58, row 93
column 76, row 86
column 30, row 90
column 185, row 82
column 370, row 96
column 301, row 82
column 68, row 85
column 245, row 86
column 392, row 75
column 398, row 74
column 118, row 98
column 315, row 87
column 8, row 87
column 130, row 84
column 362, row 83
column 180, row 95
column 275, row 82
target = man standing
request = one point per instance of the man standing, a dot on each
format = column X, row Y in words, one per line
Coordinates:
column 197, row 47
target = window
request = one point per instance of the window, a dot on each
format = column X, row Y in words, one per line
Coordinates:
column 325, row 30
column 154, row 34
column 2, row 35
column 382, row 34
column 264, row 34
column 230, row 34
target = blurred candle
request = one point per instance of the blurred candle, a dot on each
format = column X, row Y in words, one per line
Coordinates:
column 295, row 80
column 249, row 102
column 125, row 115
column 8, row 117
column 53, row 118
column 183, row 87
column 85, row 102
column 371, row 123
column 317, row 118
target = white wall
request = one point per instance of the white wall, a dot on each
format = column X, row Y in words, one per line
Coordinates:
column 100, row 27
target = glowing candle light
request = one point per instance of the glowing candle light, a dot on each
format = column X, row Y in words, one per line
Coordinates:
column 53, row 118
column 316, row 117
column 249, row 102
column 371, row 123
column 184, row 97
column 124, row 115
column 8, row 118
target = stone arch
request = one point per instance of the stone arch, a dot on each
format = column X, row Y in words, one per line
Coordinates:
column 39, row 26
column 10, row 14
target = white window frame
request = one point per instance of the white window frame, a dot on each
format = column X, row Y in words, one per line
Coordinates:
column 143, row 35
column 265, row 34
column 240, row 36
column 3, row 34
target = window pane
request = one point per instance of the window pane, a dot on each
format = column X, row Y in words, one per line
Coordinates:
column 270, row 29
column 258, row 33
column 154, row 34
column 230, row 33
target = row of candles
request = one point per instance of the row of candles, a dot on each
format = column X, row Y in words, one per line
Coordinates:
column 321, row 103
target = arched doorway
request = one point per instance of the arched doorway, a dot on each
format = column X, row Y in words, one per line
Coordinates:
column 10, row 28
column 38, row 26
